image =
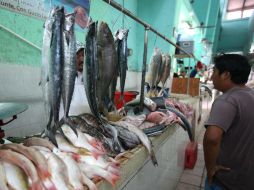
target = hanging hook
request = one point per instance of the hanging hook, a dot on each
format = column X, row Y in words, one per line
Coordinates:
column 123, row 15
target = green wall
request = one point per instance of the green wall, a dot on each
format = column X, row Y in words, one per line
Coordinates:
column 161, row 16
column 234, row 35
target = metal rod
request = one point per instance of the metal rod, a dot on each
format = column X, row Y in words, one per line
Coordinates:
column 143, row 70
column 20, row 37
column 130, row 14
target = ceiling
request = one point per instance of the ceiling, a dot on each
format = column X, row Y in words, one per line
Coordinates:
column 239, row 5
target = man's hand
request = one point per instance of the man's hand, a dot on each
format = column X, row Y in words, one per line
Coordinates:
column 212, row 172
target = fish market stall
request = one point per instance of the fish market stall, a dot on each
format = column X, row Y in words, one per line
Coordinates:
column 90, row 150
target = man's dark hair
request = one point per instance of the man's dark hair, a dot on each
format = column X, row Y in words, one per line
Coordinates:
column 237, row 65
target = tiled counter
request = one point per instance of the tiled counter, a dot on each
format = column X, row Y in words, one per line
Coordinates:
column 138, row 172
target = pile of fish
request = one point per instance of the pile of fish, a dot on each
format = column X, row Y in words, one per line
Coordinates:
column 37, row 164
column 159, row 71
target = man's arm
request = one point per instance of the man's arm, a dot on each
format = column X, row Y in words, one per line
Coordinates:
column 211, row 143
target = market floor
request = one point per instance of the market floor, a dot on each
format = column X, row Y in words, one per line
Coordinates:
column 194, row 179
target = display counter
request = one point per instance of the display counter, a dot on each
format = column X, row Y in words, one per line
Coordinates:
column 138, row 172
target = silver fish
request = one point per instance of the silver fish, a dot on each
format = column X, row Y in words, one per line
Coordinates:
column 56, row 67
column 44, row 82
column 142, row 136
column 70, row 66
column 36, row 141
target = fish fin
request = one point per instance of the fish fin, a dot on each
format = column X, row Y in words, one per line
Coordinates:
column 112, row 178
column 50, row 133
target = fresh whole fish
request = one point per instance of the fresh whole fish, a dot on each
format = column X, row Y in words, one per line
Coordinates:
column 37, row 158
column 65, row 146
column 90, row 71
column 56, row 68
column 107, row 59
column 82, row 141
column 16, row 178
column 74, row 173
column 36, row 141
column 70, row 66
column 59, row 172
column 122, row 54
column 161, row 68
column 142, row 136
column 113, row 133
column 154, row 68
column 44, row 82
column 127, row 138
column 24, row 163
column 166, row 70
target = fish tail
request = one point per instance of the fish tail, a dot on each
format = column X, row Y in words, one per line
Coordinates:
column 153, row 158
column 112, row 178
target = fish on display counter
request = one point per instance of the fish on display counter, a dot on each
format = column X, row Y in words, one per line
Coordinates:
column 142, row 136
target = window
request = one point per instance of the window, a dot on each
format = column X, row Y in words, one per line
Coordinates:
column 237, row 9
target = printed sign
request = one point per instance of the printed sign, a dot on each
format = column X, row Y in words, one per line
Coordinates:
column 41, row 8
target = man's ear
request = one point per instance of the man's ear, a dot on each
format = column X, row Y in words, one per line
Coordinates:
column 226, row 75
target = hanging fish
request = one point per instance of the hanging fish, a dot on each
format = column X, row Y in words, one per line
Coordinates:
column 153, row 69
column 107, row 59
column 166, row 70
column 122, row 53
column 56, row 69
column 90, row 71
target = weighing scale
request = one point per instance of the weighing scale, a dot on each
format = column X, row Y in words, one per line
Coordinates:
column 8, row 113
